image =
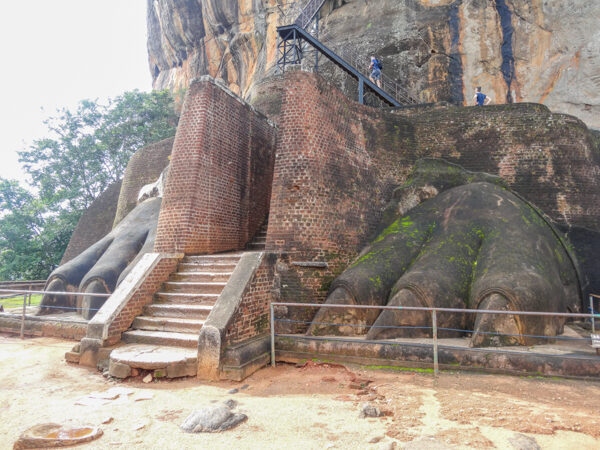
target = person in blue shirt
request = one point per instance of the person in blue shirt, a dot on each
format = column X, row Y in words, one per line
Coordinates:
column 480, row 98
column 375, row 68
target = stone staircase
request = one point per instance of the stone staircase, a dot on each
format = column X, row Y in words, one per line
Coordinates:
column 165, row 337
column 260, row 239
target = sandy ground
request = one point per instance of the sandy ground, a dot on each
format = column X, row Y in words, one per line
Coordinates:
column 315, row 406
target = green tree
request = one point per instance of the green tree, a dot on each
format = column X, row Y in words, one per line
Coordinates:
column 29, row 239
column 88, row 149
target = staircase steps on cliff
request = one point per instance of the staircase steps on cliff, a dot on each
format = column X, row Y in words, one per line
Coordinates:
column 177, row 314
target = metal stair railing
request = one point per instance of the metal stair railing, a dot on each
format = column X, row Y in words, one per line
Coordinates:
column 292, row 53
column 309, row 12
column 358, row 65
column 388, row 84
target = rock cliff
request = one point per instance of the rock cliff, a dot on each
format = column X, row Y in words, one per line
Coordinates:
column 545, row 51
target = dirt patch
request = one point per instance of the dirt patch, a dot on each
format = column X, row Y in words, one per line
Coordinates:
column 313, row 406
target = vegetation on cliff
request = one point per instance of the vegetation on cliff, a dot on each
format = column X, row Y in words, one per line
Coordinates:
column 87, row 150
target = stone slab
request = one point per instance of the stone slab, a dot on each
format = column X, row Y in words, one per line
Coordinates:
column 50, row 435
column 151, row 357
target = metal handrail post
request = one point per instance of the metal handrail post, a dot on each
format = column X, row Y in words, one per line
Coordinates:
column 23, row 317
column 435, row 342
column 592, row 312
column 273, row 364
column 361, row 91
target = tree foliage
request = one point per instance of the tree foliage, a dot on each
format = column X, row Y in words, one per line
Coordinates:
column 90, row 147
column 87, row 150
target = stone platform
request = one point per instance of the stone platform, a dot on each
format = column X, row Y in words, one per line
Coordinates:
column 164, row 361
column 566, row 358
column 68, row 325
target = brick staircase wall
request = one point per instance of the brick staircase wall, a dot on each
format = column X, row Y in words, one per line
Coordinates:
column 252, row 317
column 219, row 184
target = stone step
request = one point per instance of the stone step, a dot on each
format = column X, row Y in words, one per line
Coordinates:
column 200, row 276
column 189, row 340
column 185, row 298
column 177, row 325
column 220, row 267
column 194, row 287
column 219, row 257
column 171, row 362
column 256, row 246
column 178, row 311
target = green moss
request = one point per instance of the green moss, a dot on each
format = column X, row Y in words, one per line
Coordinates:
column 326, row 281
column 405, row 225
column 262, row 323
column 400, row 369
column 376, row 281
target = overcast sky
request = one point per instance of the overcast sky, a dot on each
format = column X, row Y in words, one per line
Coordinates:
column 54, row 53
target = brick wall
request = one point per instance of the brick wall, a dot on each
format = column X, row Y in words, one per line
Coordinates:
column 143, row 296
column 252, row 317
column 338, row 162
column 218, row 188
column 548, row 158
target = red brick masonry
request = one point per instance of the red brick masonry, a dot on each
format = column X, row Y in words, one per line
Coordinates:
column 219, row 184
column 252, row 317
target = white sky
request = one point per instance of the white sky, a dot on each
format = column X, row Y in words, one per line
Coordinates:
column 54, row 53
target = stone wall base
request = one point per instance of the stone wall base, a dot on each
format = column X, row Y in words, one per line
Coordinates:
column 42, row 327
column 243, row 359
column 300, row 348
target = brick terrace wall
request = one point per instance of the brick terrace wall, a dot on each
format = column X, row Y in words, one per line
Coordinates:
column 142, row 297
column 252, row 317
column 550, row 159
column 338, row 162
column 327, row 192
column 218, row 188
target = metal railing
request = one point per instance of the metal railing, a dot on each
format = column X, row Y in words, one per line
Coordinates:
column 27, row 294
column 309, row 12
column 305, row 16
column 388, row 84
column 23, row 284
column 435, row 312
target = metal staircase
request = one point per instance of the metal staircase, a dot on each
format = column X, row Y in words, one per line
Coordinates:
column 309, row 13
column 294, row 39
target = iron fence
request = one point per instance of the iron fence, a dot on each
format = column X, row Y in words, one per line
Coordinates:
column 594, row 339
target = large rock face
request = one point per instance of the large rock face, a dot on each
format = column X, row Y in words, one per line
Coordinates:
column 545, row 51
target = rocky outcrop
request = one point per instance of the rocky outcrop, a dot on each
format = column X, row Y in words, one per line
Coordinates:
column 517, row 50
